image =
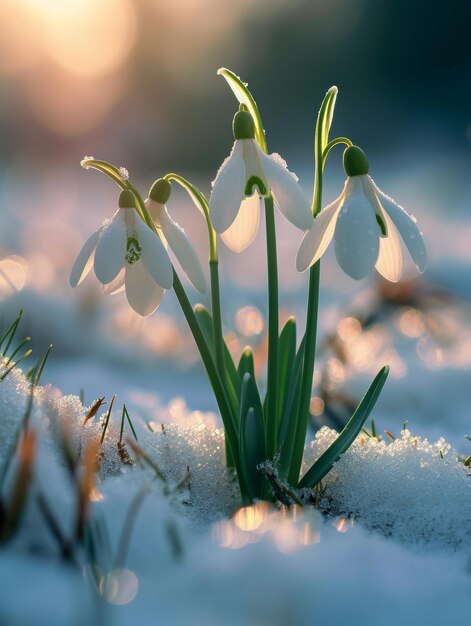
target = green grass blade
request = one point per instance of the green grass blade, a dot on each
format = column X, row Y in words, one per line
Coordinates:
column 37, row 377
column 348, row 435
column 9, row 335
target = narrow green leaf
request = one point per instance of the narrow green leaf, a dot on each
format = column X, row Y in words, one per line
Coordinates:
column 244, row 96
column 246, row 364
column 205, row 322
column 249, row 395
column 328, row 107
column 251, row 437
column 289, row 431
column 252, row 452
column 348, row 435
column 286, row 356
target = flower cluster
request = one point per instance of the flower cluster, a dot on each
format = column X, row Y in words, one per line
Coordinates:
column 264, row 427
column 368, row 228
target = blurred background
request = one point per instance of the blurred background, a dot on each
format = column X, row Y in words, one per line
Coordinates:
column 134, row 82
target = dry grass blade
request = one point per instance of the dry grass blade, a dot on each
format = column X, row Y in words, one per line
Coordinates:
column 21, row 483
column 93, row 410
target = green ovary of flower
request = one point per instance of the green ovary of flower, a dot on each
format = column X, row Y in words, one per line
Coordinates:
column 133, row 250
column 255, row 181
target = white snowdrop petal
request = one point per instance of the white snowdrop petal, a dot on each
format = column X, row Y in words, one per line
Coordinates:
column 407, row 228
column 244, row 228
column 84, row 262
column 116, row 285
column 228, row 190
column 156, row 210
column 356, row 233
column 288, row 195
column 390, row 263
column 143, row 294
column 183, row 250
column 154, row 256
column 110, row 250
column 318, row 237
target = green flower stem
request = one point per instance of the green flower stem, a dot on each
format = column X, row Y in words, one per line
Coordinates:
column 200, row 200
column 332, row 144
column 272, row 373
column 217, row 322
column 321, row 143
column 213, row 374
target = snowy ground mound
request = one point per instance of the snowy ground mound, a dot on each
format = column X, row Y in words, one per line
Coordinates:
column 171, row 545
column 409, row 489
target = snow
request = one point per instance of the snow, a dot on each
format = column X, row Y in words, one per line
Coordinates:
column 397, row 527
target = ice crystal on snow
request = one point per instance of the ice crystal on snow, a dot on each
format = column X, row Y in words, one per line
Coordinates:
column 212, row 492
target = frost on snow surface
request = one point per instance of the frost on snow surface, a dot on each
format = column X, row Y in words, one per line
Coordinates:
column 175, row 553
column 409, row 489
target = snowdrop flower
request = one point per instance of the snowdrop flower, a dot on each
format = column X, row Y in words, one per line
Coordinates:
column 124, row 250
column 368, row 228
column 245, row 176
column 173, row 234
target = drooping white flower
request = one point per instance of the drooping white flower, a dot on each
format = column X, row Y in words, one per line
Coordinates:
column 369, row 229
column 245, row 176
column 125, row 249
column 173, row 234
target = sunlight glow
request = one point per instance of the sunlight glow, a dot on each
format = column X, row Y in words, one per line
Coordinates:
column 84, row 37
column 289, row 530
column 249, row 321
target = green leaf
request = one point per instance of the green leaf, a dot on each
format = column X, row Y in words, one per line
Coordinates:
column 348, row 435
column 244, row 96
column 232, row 380
column 252, row 452
column 289, row 431
column 327, row 115
column 206, row 324
column 246, row 364
column 251, row 437
column 286, row 356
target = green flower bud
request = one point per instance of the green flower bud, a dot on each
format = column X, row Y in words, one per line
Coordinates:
column 243, row 125
column 355, row 162
column 160, row 191
column 126, row 199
